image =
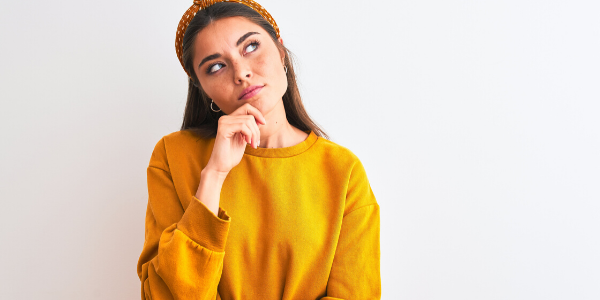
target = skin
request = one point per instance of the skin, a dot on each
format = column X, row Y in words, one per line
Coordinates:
column 242, row 66
column 260, row 119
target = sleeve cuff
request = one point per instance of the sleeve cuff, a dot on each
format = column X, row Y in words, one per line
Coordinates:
column 202, row 226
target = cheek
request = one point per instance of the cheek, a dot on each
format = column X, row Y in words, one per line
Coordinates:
column 211, row 89
column 212, row 85
column 272, row 69
column 261, row 66
column 217, row 90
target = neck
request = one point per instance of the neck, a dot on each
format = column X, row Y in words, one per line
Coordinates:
column 279, row 133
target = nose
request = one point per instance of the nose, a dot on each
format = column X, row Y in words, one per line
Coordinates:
column 241, row 72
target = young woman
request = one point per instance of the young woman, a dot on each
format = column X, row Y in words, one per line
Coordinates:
column 249, row 200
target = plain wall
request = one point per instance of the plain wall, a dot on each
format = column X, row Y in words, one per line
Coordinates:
column 477, row 123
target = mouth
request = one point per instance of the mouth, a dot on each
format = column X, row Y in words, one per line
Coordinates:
column 250, row 91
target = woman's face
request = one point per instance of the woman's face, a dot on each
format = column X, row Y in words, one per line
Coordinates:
column 232, row 54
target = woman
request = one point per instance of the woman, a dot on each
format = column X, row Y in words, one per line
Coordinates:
column 248, row 200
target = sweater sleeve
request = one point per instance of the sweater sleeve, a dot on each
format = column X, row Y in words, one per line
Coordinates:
column 355, row 273
column 182, row 256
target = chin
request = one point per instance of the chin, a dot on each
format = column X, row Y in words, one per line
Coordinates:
column 265, row 105
column 256, row 102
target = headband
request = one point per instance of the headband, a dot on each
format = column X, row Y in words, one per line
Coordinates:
column 202, row 4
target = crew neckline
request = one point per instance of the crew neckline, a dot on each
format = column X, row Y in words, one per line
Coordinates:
column 285, row 151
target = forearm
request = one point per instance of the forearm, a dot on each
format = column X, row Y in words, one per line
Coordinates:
column 209, row 189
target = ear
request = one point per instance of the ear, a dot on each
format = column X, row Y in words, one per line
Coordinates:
column 281, row 52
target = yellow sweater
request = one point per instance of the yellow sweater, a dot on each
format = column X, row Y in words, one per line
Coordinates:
column 299, row 222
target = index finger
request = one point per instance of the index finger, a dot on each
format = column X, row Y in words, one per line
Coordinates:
column 248, row 109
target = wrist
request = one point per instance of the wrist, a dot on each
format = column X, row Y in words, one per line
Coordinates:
column 214, row 175
column 209, row 188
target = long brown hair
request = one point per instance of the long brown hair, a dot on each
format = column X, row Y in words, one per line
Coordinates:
column 198, row 117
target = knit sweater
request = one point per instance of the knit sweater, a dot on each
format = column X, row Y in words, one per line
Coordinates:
column 298, row 222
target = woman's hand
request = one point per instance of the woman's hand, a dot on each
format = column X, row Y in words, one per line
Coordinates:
column 233, row 133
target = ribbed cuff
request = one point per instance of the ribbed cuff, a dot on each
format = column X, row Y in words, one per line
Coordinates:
column 202, row 226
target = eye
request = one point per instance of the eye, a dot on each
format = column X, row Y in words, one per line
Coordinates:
column 253, row 45
column 211, row 69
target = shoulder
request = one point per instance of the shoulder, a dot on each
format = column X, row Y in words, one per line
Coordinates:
column 349, row 160
column 175, row 144
column 338, row 154
column 344, row 162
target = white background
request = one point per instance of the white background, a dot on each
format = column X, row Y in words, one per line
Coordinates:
column 477, row 122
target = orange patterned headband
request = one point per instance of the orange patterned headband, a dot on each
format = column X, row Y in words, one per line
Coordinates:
column 200, row 4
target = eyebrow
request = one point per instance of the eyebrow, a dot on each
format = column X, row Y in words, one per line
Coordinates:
column 217, row 55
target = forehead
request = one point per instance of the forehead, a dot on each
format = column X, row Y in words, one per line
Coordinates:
column 224, row 33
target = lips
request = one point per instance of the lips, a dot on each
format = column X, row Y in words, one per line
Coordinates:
column 250, row 91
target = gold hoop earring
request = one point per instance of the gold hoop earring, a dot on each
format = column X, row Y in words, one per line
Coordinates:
column 211, row 108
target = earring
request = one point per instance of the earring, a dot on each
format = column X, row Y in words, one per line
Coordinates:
column 211, row 108
column 285, row 67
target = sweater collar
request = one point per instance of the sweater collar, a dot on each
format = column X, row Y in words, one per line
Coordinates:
column 286, row 151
